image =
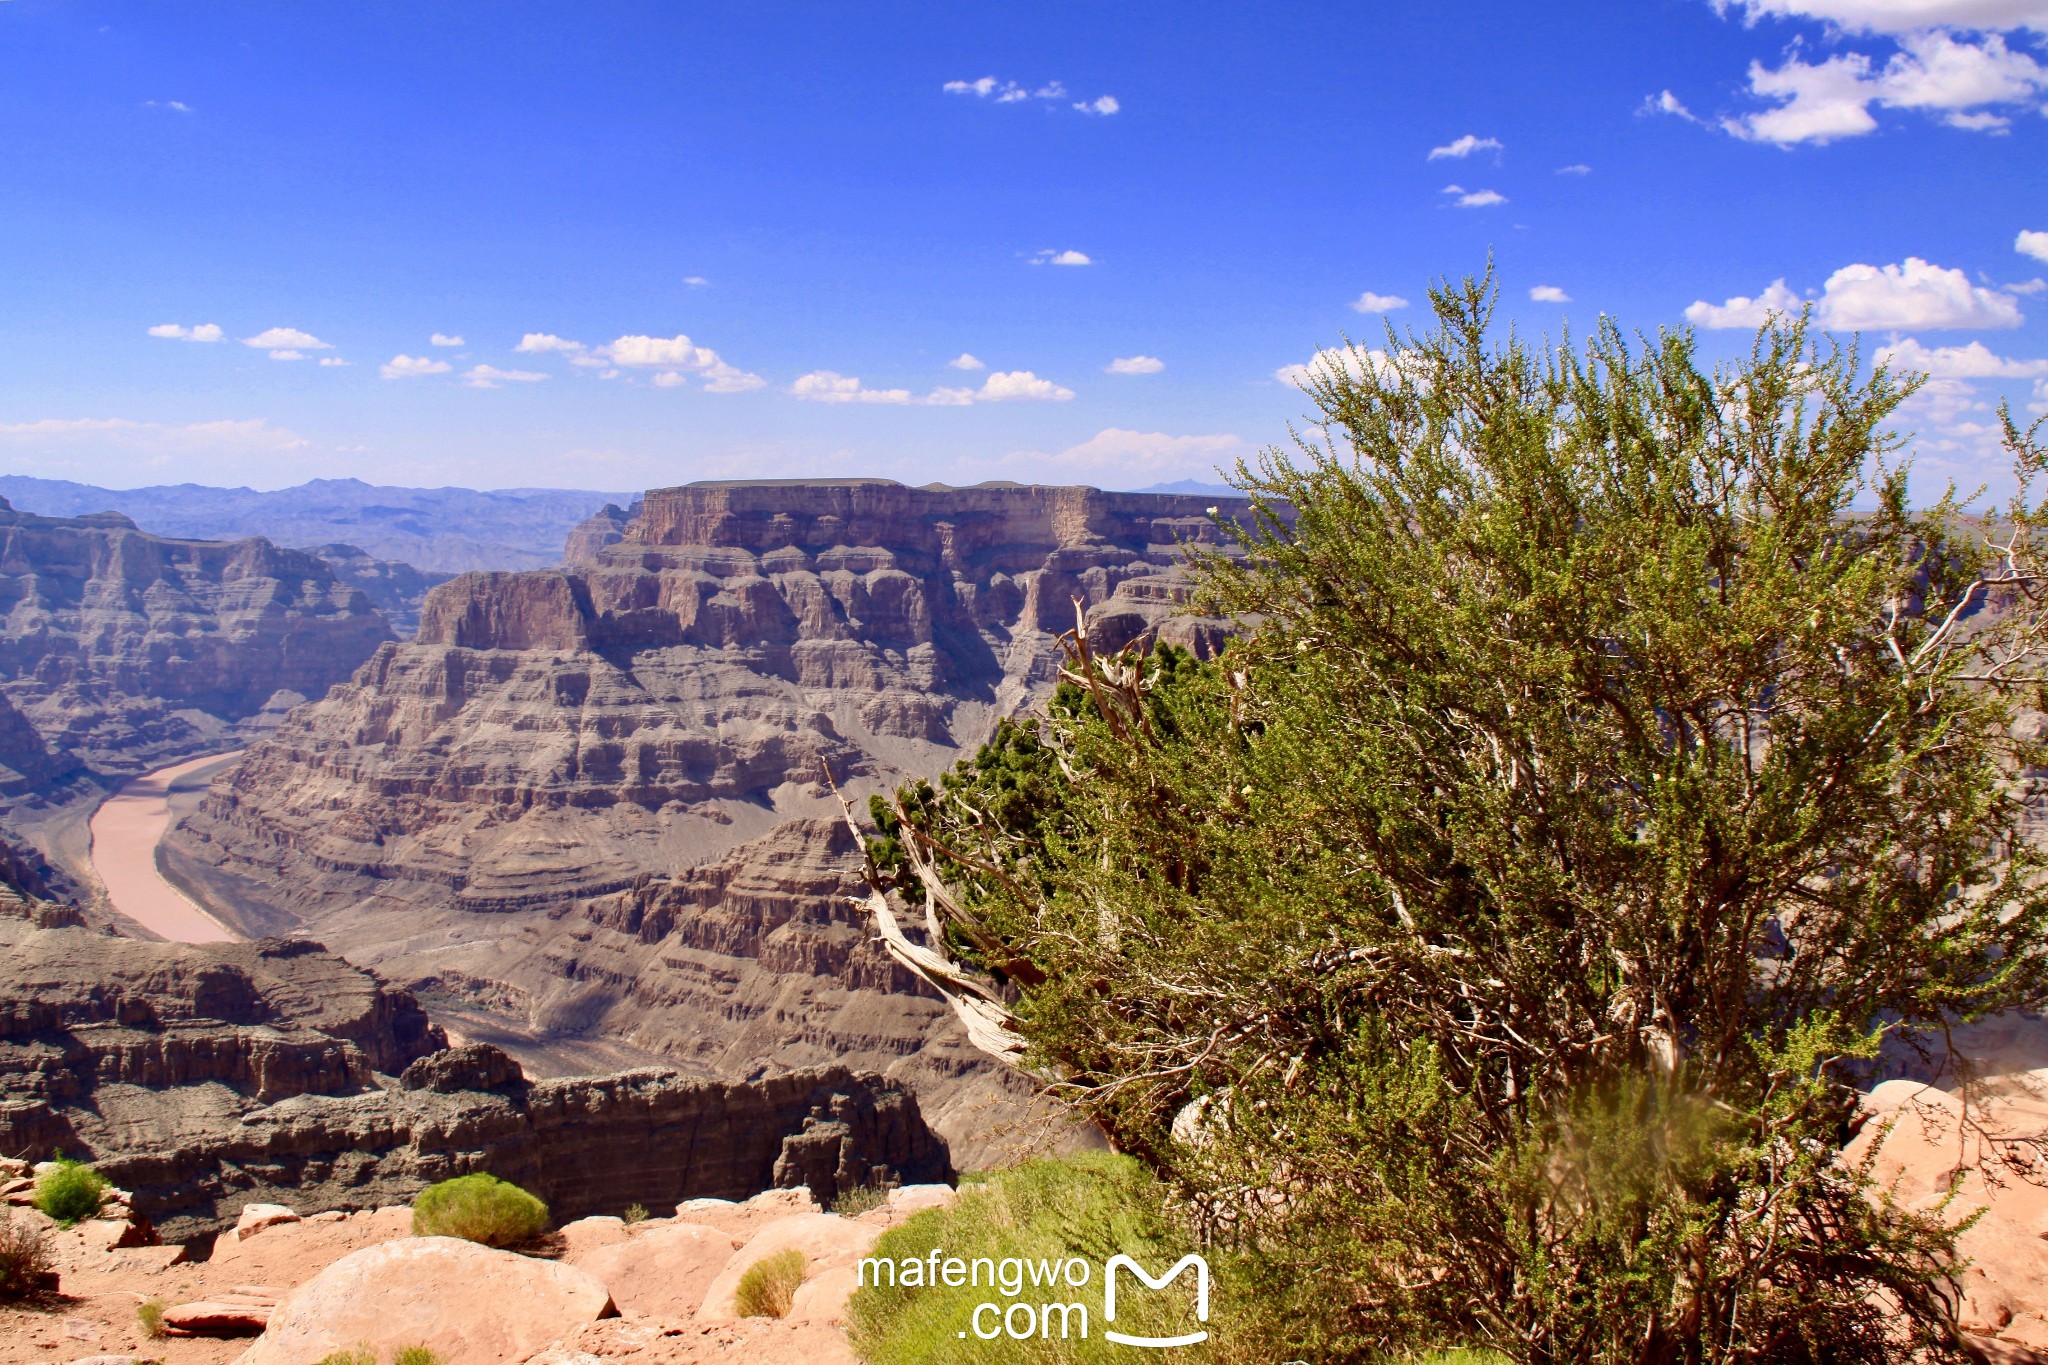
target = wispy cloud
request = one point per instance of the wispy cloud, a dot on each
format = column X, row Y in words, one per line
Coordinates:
column 1474, row 199
column 286, row 343
column 490, row 376
column 675, row 358
column 1011, row 386
column 1135, row 364
column 1124, row 457
column 1974, row 361
column 1576, row 168
column 443, row 339
column 964, row 361
column 412, row 367
column 1068, row 257
column 209, row 331
column 829, row 386
column 1010, row 92
column 252, row 436
column 1369, row 302
column 1549, row 293
column 1664, row 102
column 545, row 343
column 1465, row 146
column 1898, row 16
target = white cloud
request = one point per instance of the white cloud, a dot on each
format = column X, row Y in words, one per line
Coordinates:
column 676, row 354
column 1664, row 102
column 1465, row 146
column 1332, row 363
column 829, row 386
column 1974, row 361
column 2037, row 285
column 285, row 339
column 254, row 436
column 443, row 339
column 723, row 378
column 412, row 367
column 1475, row 199
column 541, row 343
column 1576, row 168
column 1009, row 92
column 490, row 376
column 2033, row 244
column 1901, row 16
column 1068, row 257
column 210, row 331
column 695, row 281
column 1020, row 386
column 1369, row 302
column 1964, row 82
column 964, row 361
column 1915, row 295
column 1745, row 312
column 287, row 355
column 1134, row 456
column 1135, row 364
column 334, row 362
column 1549, row 293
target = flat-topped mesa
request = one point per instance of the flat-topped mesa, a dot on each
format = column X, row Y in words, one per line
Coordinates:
column 962, row 529
column 725, row 565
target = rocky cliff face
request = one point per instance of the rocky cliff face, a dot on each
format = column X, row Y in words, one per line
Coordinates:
column 590, row 801
column 120, row 648
column 395, row 589
column 203, row 1077
column 605, row 527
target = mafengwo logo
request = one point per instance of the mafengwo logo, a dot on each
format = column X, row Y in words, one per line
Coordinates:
column 1047, row 1313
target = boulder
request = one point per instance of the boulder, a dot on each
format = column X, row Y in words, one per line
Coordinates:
column 660, row 1271
column 216, row 1318
column 256, row 1217
column 588, row 1234
column 469, row 1304
column 822, row 1298
column 826, row 1240
column 110, row 1234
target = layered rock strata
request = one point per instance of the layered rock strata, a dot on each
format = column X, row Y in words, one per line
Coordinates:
column 591, row 801
column 395, row 589
column 203, row 1078
column 121, row 648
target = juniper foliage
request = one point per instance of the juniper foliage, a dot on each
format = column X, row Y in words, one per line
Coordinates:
column 1506, row 914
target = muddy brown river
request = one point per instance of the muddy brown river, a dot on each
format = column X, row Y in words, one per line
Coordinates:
column 125, row 833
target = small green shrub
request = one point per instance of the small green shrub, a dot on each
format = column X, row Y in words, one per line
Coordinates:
column 636, row 1213
column 859, row 1199
column 149, row 1316
column 71, row 1193
column 416, row 1355
column 479, row 1208
column 24, row 1258
column 356, row 1355
column 769, row 1285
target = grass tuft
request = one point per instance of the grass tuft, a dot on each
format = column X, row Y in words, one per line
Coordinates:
column 858, row 1199
column 635, row 1213
column 359, row 1354
column 479, row 1208
column 149, row 1316
column 416, row 1355
column 769, row 1286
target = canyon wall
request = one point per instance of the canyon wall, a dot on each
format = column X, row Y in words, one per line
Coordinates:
column 205, row 1077
column 121, row 648
column 589, row 802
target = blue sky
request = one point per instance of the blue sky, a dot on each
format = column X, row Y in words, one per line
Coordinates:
column 667, row 241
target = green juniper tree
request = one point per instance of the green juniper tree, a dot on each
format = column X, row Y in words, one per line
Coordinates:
column 1487, row 943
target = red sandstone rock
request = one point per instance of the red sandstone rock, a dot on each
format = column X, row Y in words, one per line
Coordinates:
column 470, row 1304
column 826, row 1240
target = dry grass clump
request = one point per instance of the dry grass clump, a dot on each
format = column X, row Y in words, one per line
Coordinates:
column 769, row 1285
column 149, row 1316
column 24, row 1258
column 479, row 1208
column 850, row 1203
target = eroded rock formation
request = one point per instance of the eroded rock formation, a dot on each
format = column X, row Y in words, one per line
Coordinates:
column 205, row 1077
column 121, row 648
column 589, row 801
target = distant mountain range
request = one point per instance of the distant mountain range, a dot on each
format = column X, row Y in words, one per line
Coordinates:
column 1194, row 487
column 442, row 530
